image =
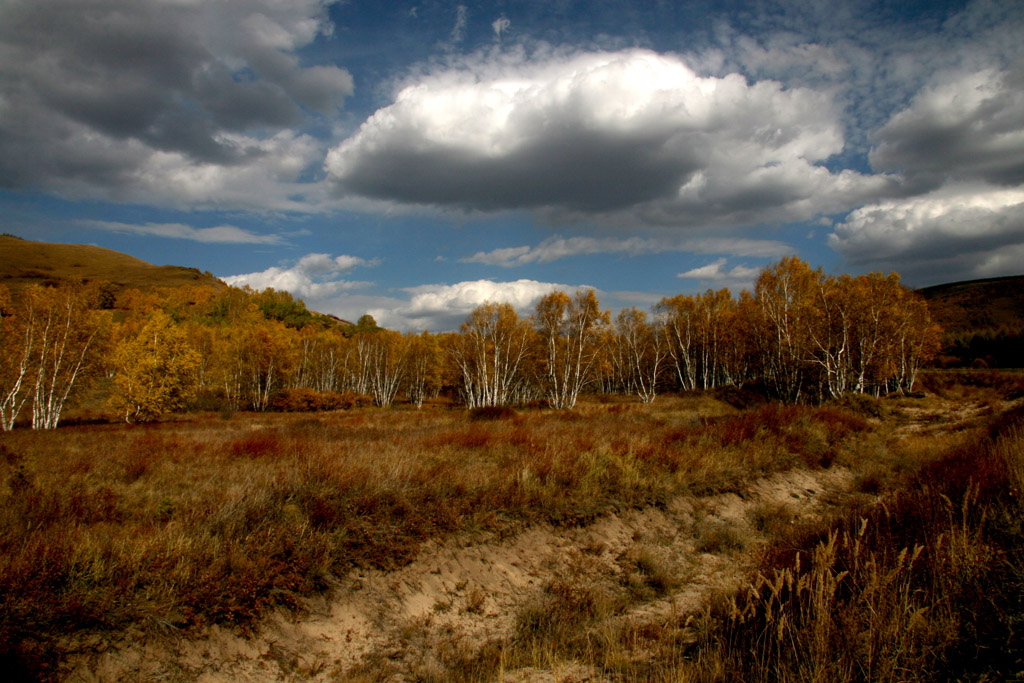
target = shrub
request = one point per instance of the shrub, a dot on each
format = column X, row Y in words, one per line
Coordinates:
column 296, row 401
column 301, row 400
column 744, row 396
column 256, row 445
column 864, row 404
column 491, row 413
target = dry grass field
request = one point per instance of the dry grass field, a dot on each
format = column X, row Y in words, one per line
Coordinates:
column 870, row 540
column 25, row 262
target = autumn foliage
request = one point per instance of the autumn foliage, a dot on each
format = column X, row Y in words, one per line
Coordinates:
column 801, row 335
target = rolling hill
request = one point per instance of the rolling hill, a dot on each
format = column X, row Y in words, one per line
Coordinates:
column 24, row 262
column 982, row 321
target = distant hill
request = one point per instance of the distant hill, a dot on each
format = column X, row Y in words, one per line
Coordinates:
column 24, row 262
column 982, row 321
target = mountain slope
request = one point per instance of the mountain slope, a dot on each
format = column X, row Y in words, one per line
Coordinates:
column 24, row 262
column 982, row 321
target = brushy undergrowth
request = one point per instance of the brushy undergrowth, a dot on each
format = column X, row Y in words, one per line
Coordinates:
column 218, row 519
column 924, row 584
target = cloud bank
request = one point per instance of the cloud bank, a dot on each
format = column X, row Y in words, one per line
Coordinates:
column 172, row 103
column 960, row 145
column 555, row 248
column 221, row 234
column 957, row 232
column 630, row 136
column 314, row 278
column 970, row 127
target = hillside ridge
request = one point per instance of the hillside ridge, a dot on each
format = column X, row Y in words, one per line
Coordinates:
column 25, row 262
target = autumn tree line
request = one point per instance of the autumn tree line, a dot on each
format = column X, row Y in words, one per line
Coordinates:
column 800, row 336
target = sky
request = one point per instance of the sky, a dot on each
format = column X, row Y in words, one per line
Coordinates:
column 412, row 160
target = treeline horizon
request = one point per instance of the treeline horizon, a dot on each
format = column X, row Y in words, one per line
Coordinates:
column 800, row 336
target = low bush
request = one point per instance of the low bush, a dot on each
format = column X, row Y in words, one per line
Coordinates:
column 956, row 383
column 491, row 413
column 308, row 400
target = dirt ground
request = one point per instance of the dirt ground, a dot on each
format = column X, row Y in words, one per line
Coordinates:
column 468, row 591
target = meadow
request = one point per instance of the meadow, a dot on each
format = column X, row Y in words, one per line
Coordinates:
column 165, row 529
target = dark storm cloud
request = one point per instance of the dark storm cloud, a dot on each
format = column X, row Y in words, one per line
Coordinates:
column 93, row 91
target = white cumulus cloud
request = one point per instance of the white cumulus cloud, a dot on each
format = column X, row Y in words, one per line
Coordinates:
column 630, row 136
column 957, row 232
column 441, row 307
column 314, row 278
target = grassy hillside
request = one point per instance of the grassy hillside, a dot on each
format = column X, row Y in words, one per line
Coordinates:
column 983, row 321
column 24, row 262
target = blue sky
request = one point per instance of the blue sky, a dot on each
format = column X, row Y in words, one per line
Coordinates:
column 413, row 159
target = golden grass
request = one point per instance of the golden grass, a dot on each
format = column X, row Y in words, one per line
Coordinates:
column 214, row 520
column 24, row 262
column 926, row 584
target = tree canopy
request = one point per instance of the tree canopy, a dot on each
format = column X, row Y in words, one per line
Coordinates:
column 801, row 335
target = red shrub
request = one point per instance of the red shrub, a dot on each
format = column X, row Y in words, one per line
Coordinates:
column 256, row 445
column 491, row 413
column 838, row 422
column 307, row 400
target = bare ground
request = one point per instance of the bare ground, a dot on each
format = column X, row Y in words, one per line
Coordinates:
column 468, row 591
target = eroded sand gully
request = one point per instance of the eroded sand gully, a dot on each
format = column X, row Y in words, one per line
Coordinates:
column 466, row 592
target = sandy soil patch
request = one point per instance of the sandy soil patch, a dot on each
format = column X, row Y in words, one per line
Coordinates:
column 468, row 591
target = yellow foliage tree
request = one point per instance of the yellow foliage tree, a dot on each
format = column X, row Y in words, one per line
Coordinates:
column 423, row 378
column 154, row 370
column 491, row 354
column 67, row 341
column 569, row 330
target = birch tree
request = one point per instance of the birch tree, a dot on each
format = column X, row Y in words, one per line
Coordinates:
column 387, row 354
column 66, row 339
column 423, row 375
column 784, row 293
column 490, row 352
column 17, row 331
column 679, row 314
column 155, row 371
column 642, row 350
column 568, row 331
column 832, row 333
column 267, row 355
